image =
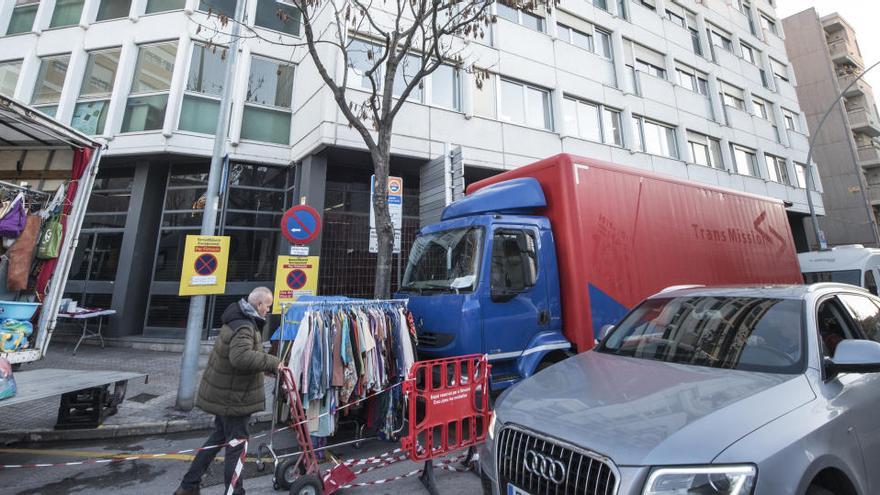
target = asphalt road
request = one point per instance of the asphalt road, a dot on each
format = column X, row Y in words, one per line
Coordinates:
column 162, row 475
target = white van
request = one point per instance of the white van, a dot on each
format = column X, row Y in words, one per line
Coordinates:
column 852, row 264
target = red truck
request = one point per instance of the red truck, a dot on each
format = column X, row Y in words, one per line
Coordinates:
column 533, row 262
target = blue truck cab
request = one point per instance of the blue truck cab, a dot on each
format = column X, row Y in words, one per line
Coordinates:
column 484, row 280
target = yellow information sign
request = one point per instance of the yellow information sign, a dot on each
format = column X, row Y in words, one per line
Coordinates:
column 295, row 276
column 205, row 260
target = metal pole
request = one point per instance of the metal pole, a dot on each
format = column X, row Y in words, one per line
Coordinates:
column 189, row 367
column 814, row 135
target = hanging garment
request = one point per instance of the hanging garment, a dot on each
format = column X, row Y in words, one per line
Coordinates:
column 21, row 255
column 14, row 221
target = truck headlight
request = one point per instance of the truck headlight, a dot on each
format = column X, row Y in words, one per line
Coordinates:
column 708, row 480
column 492, row 426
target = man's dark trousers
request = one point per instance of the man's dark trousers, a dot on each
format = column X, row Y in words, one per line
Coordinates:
column 226, row 428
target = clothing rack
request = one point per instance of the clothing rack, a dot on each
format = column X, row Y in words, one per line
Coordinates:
column 347, row 302
column 25, row 190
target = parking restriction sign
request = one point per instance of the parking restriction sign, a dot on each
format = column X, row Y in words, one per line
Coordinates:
column 205, row 259
column 295, row 276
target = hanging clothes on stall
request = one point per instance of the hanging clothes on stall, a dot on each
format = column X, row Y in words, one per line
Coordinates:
column 347, row 351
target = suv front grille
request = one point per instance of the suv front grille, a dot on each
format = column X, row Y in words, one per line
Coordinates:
column 574, row 472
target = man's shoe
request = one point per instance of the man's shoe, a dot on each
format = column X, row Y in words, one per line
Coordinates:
column 187, row 491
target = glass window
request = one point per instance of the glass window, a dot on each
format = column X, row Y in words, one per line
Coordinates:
column 721, row 40
column 278, row 15
column 676, row 18
column 790, row 119
column 769, row 24
column 225, row 7
column 9, row 72
column 703, row 86
column 406, row 73
column 585, row 120
column 651, row 69
column 361, row 57
column 23, row 14
column 657, row 139
column 602, row 4
column 154, row 6
column 508, row 13
column 113, row 9
column 687, row 80
column 270, row 83
column 512, row 102
column 145, row 109
column 744, row 333
column 801, row 170
column 759, row 106
column 748, row 53
column 199, row 114
column 445, row 87
column 207, row 70
column 67, row 13
column 745, row 161
column 50, row 82
column 779, row 69
column 445, row 261
column 865, row 313
column 532, row 21
column 871, row 283
column 603, row 44
column 538, row 108
column 695, row 41
column 611, row 133
column 777, row 169
column 514, row 268
column 705, row 150
column 648, row 4
column 90, row 113
column 575, row 37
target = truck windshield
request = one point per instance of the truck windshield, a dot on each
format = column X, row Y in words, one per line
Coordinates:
column 852, row 277
column 444, row 261
column 743, row 333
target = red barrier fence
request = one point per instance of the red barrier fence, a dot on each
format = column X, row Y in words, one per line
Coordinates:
column 448, row 406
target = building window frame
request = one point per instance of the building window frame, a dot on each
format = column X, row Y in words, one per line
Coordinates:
column 705, row 150
column 14, row 66
column 159, row 9
column 720, row 38
column 769, row 24
column 526, row 90
column 522, row 18
column 50, row 108
column 23, row 11
column 282, row 5
column 152, row 93
column 645, row 128
column 104, row 16
column 58, row 22
column 279, row 65
column 741, row 153
column 200, row 95
column 777, row 170
column 696, row 82
column 760, row 108
column 605, row 117
column 96, row 97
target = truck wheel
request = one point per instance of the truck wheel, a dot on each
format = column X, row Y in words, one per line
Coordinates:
column 307, row 485
column 16, row 367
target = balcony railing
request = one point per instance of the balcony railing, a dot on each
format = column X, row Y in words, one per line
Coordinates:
column 860, row 88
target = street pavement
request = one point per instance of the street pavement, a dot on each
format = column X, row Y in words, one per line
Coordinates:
column 162, row 475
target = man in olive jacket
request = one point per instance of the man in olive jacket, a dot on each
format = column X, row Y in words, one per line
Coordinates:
column 232, row 385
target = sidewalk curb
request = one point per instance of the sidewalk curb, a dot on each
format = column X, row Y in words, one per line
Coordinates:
column 114, row 431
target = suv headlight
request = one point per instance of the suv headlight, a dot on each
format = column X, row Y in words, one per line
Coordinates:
column 492, row 426
column 707, row 480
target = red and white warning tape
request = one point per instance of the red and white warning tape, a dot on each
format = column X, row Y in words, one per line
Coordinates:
column 239, row 466
column 123, row 458
column 444, row 464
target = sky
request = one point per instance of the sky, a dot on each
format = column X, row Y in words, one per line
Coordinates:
column 862, row 15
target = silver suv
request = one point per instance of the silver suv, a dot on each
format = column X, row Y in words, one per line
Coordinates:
column 722, row 391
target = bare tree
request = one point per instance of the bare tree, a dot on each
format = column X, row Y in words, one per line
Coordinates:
column 392, row 45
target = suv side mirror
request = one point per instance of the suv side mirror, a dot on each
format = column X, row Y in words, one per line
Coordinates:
column 604, row 331
column 855, row 356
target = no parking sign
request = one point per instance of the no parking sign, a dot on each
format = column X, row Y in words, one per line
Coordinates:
column 205, row 259
column 295, row 276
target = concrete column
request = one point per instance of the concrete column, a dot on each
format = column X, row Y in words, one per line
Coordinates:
column 684, row 150
column 629, row 137
column 44, row 15
column 747, row 95
column 705, row 44
column 138, row 9
column 715, row 99
column 89, row 13
column 737, row 47
column 619, row 61
column 727, row 156
column 121, row 88
column 135, row 270
column 779, row 120
column 468, row 86
column 239, row 92
column 178, row 83
column 558, row 117
column 5, row 15
column 72, row 82
column 761, row 157
column 30, row 68
column 311, row 190
column 660, row 5
column 670, row 69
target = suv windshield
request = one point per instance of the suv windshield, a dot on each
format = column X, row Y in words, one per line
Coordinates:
column 743, row 333
column 444, row 261
column 852, row 277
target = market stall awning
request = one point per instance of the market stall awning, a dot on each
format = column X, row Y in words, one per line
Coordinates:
column 23, row 128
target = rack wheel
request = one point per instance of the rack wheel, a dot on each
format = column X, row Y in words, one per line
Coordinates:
column 307, row 485
column 286, row 473
column 359, row 436
column 261, row 464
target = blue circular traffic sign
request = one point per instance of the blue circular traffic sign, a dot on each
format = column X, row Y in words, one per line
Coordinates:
column 296, row 279
column 301, row 224
column 206, row 264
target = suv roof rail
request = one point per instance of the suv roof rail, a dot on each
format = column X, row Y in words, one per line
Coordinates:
column 681, row 287
column 835, row 285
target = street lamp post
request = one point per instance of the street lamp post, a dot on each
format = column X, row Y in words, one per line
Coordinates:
column 815, row 134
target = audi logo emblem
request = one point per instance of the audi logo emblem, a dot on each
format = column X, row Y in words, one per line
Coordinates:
column 544, row 466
